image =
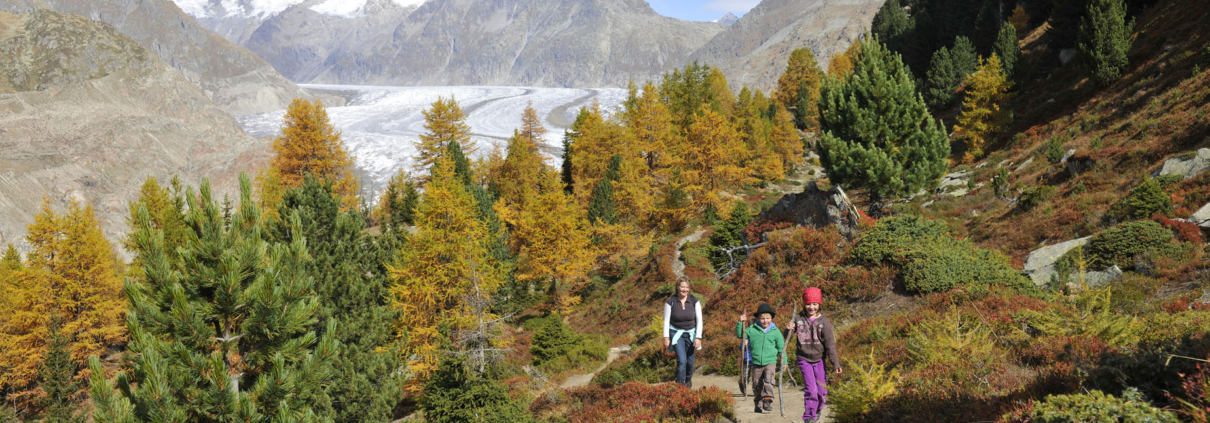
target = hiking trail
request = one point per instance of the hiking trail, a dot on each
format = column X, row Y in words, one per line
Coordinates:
column 584, row 379
column 744, row 409
column 678, row 265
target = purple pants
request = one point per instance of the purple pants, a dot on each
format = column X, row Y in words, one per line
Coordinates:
column 815, row 387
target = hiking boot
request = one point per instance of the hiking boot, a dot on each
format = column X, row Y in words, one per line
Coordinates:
column 768, row 406
column 759, row 409
column 810, row 420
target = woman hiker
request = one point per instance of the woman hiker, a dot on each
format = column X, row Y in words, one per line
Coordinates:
column 815, row 340
column 683, row 321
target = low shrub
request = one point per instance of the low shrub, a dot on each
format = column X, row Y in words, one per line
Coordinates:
column 1120, row 244
column 640, row 402
column 853, row 283
column 1035, row 196
column 455, row 394
column 649, row 365
column 1099, row 407
column 868, row 383
column 942, row 263
column 1185, row 231
column 893, row 236
column 557, row 348
column 1090, row 314
column 1144, row 200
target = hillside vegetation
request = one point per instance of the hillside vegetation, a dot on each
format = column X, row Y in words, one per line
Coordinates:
column 1037, row 263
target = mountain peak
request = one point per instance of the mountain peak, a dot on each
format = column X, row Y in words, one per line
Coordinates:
column 727, row 19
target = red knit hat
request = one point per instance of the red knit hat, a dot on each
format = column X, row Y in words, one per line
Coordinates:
column 812, row 295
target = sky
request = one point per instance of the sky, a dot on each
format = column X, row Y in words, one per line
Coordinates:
column 701, row 10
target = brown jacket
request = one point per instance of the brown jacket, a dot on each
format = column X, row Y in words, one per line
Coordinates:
column 816, row 339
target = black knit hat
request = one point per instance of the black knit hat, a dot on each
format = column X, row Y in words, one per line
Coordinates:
column 765, row 308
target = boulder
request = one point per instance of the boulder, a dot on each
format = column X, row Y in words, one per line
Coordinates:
column 1065, row 55
column 1023, row 165
column 1098, row 278
column 1201, row 217
column 956, row 181
column 1186, row 167
column 817, row 208
column 1040, row 263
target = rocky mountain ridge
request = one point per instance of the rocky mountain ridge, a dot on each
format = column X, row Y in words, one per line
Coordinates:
column 233, row 77
column 87, row 114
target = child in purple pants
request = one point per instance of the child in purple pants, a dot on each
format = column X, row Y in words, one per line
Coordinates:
column 815, row 341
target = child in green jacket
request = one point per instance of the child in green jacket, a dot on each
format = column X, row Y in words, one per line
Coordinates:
column 766, row 343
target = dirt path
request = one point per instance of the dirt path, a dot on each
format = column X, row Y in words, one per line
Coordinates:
column 584, row 379
column 678, row 265
column 744, row 407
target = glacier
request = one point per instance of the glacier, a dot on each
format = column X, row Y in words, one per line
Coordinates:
column 380, row 125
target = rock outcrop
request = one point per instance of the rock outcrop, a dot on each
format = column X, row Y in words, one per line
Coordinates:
column 1202, row 216
column 753, row 51
column 1040, row 263
column 817, row 208
column 234, row 78
column 1186, row 167
column 87, row 114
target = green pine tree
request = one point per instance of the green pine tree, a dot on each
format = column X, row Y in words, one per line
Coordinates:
column 600, row 207
column 1008, row 49
column 457, row 394
column 1105, row 39
column 58, row 377
column 351, row 283
column 877, row 133
column 948, row 70
column 569, row 182
column 462, row 165
column 227, row 337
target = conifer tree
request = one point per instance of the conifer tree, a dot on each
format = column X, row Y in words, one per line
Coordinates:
column 351, row 285
column 57, row 376
column 310, row 144
column 462, row 165
column 798, row 86
column 843, row 63
column 1008, row 49
column 651, row 125
column 166, row 207
column 711, row 160
column 532, row 129
column 519, row 174
column 877, row 133
column 1105, row 38
column 443, row 122
column 228, row 336
column 553, row 244
column 687, row 91
column 600, row 208
column 11, row 260
column 983, row 111
column 397, row 206
column 432, row 273
column 72, row 272
column 948, row 70
column 1019, row 19
column 566, row 173
column 596, row 142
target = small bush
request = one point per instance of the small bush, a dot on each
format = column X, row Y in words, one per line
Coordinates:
column 1120, row 244
column 1144, row 200
column 1099, row 407
column 1054, row 149
column 942, row 263
column 1035, row 196
column 455, row 394
column 893, row 236
column 556, row 347
column 649, row 365
column 1090, row 315
column 868, row 383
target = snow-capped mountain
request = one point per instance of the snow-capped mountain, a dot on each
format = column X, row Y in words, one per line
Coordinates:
column 727, row 19
column 238, row 19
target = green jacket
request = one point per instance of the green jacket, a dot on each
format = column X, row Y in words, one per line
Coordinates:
column 765, row 347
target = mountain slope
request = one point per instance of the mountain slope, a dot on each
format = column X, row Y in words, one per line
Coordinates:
column 562, row 43
column 233, row 77
column 86, row 114
column 753, row 51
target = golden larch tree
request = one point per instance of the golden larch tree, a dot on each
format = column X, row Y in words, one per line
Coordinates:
column 553, row 244
column 983, row 112
column 533, row 130
column 309, row 144
column 843, row 63
column 443, row 122
column 650, row 124
column 598, row 140
column 517, row 179
column 802, row 71
column 712, row 157
column 1019, row 19
column 72, row 272
column 433, row 273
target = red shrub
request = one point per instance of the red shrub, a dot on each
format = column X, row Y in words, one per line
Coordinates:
column 641, row 402
column 1185, row 231
column 1197, row 395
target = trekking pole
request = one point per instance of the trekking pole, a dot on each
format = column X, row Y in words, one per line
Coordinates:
column 785, row 349
column 743, row 362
